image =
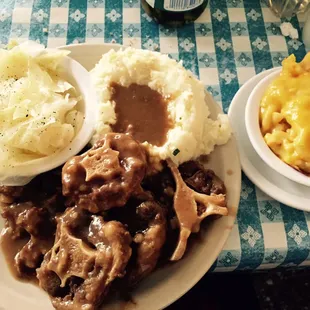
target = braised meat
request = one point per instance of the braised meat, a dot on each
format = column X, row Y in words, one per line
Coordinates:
column 162, row 185
column 201, row 180
column 149, row 240
column 146, row 221
column 107, row 175
column 29, row 212
column 102, row 220
column 9, row 193
column 191, row 208
column 27, row 221
column 87, row 256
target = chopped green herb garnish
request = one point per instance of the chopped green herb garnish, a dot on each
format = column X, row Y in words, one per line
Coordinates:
column 176, row 152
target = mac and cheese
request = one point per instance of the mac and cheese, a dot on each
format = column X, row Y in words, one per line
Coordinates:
column 285, row 114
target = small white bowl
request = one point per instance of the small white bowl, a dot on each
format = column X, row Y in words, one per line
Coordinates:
column 256, row 137
column 79, row 77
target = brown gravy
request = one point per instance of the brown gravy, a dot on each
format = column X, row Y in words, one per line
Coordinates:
column 10, row 247
column 142, row 112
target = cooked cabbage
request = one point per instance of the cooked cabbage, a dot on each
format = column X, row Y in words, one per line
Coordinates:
column 38, row 106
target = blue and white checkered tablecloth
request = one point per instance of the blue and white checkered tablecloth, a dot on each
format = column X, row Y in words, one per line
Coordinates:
column 232, row 41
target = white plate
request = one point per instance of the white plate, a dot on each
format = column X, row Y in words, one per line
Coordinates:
column 267, row 179
column 172, row 281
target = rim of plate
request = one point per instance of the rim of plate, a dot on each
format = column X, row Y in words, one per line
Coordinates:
column 249, row 169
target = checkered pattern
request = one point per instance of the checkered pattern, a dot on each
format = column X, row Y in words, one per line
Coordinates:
column 229, row 43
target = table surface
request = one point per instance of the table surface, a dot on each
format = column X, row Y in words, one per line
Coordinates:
column 231, row 41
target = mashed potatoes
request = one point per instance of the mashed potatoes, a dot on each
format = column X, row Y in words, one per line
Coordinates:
column 38, row 114
column 193, row 133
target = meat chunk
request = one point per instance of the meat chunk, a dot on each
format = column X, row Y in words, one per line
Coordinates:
column 27, row 221
column 9, row 193
column 30, row 224
column 87, row 256
column 107, row 175
column 13, row 215
column 147, row 224
column 162, row 186
column 191, row 208
column 201, row 180
column 150, row 240
column 29, row 213
column 45, row 190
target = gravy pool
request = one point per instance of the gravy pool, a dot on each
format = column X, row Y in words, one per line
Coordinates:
column 142, row 112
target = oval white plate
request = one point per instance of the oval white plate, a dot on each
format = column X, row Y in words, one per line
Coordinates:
column 267, row 179
column 172, row 281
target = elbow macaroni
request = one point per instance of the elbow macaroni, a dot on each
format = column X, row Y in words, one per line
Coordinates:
column 285, row 114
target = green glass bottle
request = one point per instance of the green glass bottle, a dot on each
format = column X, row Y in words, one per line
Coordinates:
column 174, row 12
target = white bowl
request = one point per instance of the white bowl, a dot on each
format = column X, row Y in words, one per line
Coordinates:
column 256, row 137
column 79, row 77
